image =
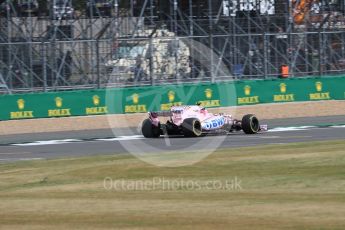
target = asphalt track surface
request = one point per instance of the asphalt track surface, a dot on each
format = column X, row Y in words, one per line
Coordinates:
column 103, row 142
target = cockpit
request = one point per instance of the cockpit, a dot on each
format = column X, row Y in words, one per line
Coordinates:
column 177, row 111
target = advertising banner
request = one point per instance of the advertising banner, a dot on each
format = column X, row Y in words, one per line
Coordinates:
column 160, row 98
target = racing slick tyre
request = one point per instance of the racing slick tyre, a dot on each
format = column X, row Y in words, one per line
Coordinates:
column 149, row 130
column 250, row 124
column 191, row 127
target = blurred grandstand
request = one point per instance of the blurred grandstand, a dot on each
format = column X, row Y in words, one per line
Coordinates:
column 65, row 44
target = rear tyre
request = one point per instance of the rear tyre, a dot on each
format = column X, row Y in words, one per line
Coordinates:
column 149, row 130
column 191, row 127
column 250, row 124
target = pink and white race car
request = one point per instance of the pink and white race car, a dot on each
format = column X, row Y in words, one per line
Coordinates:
column 195, row 121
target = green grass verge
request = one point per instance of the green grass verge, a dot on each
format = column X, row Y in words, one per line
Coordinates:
column 295, row 186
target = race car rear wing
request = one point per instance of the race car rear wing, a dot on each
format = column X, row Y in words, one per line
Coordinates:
column 160, row 114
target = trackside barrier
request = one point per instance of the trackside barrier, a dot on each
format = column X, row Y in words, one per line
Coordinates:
column 144, row 99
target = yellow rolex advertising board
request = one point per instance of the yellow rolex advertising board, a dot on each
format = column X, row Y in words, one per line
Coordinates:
column 283, row 96
column 320, row 93
column 172, row 100
column 97, row 107
column 21, row 113
column 133, row 104
column 247, row 96
column 59, row 110
column 209, row 99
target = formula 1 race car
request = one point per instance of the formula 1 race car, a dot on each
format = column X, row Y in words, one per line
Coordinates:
column 195, row 121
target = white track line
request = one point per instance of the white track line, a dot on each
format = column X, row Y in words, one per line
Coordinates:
column 51, row 142
column 67, row 141
column 123, row 138
column 338, row 126
column 287, row 129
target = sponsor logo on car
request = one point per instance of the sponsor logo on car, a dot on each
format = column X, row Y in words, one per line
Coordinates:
column 214, row 123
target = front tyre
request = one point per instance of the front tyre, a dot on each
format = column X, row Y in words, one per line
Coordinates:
column 191, row 127
column 149, row 130
column 250, row 124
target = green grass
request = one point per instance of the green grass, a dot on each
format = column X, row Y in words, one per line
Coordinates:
column 295, row 186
